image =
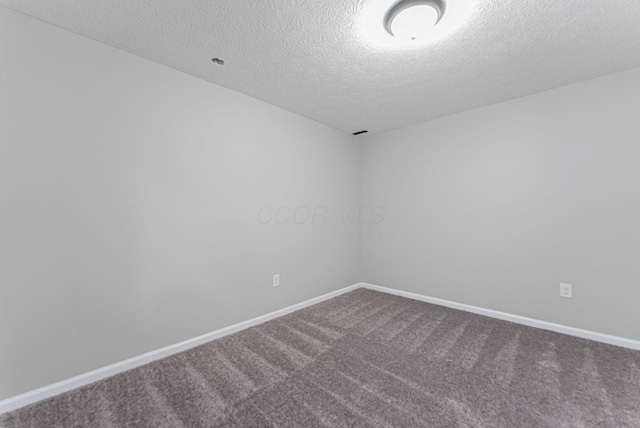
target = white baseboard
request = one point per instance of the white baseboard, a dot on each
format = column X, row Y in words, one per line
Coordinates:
column 48, row 391
column 531, row 322
column 45, row 392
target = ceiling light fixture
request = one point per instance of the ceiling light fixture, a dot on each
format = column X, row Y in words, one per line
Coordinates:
column 413, row 19
column 411, row 23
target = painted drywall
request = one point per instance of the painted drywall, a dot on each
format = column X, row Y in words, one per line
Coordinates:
column 497, row 206
column 131, row 206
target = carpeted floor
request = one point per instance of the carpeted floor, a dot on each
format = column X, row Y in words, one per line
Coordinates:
column 366, row 359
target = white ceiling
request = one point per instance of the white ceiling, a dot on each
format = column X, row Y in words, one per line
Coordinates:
column 309, row 56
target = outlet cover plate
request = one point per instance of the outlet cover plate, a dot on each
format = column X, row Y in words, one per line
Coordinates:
column 566, row 291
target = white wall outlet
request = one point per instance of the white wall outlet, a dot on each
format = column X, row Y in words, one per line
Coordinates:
column 276, row 280
column 566, row 291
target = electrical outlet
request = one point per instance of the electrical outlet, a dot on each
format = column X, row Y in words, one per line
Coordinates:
column 276, row 280
column 566, row 291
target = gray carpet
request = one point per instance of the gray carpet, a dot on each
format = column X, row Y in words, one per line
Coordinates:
column 366, row 359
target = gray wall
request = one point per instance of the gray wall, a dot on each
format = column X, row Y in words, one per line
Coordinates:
column 495, row 207
column 129, row 202
column 140, row 207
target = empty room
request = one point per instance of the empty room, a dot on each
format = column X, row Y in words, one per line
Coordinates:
column 338, row 213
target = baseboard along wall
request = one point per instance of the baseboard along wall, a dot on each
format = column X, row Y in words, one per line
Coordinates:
column 45, row 392
column 84, row 379
column 531, row 322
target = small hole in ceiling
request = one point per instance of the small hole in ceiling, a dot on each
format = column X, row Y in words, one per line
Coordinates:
column 217, row 61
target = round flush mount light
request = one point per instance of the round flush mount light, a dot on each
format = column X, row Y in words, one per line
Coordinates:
column 414, row 19
column 406, row 24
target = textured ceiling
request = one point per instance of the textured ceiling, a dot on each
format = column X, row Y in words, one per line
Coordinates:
column 310, row 56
